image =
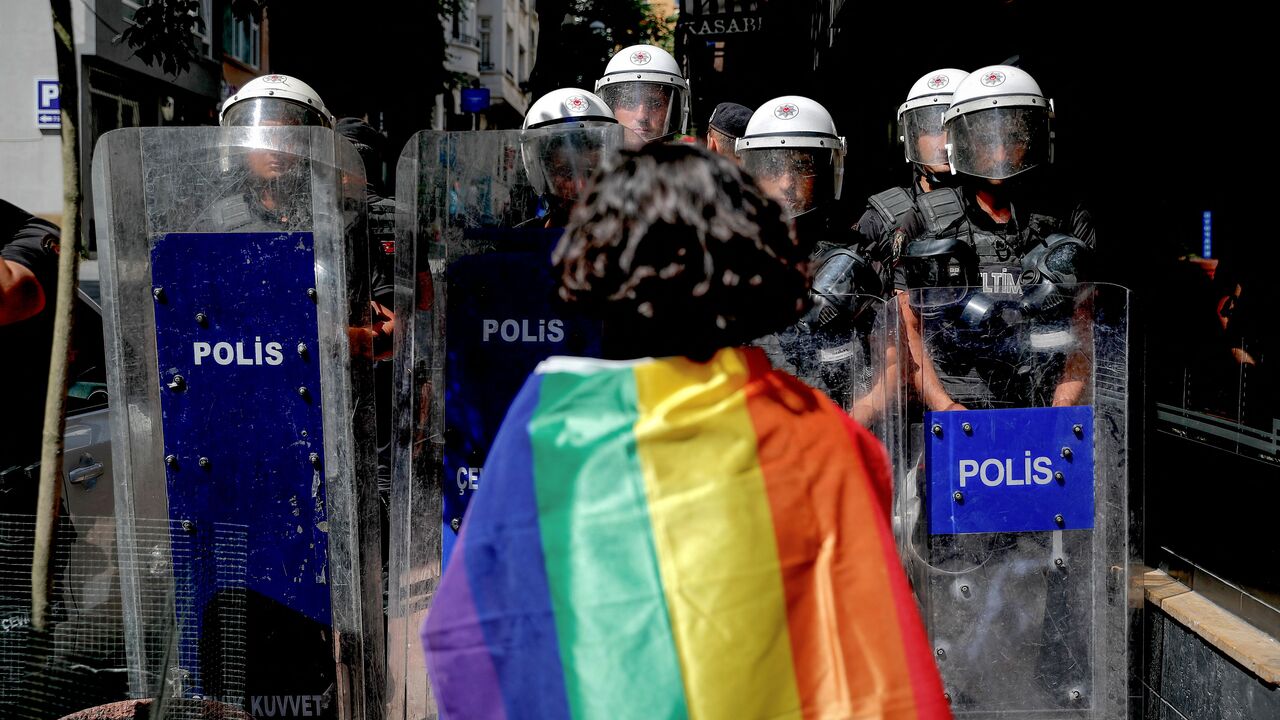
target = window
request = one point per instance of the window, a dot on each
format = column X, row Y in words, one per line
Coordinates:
column 507, row 51
column 129, row 8
column 522, row 66
column 486, row 44
column 88, row 377
column 204, row 36
column 109, row 108
column 242, row 37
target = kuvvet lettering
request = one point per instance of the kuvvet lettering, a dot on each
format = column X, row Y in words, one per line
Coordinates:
column 523, row 331
column 239, row 352
column 994, row 472
column 468, row 479
column 285, row 706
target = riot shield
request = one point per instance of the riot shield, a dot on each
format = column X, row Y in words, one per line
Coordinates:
column 853, row 357
column 850, row 355
column 235, row 273
column 478, row 216
column 1012, row 502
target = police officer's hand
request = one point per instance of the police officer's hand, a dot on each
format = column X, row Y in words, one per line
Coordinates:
column 384, row 325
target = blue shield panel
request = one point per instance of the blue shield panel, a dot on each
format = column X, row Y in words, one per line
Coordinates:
column 238, row 354
column 1012, row 470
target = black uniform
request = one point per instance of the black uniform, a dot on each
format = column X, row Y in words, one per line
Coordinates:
column 24, row 358
column 829, row 347
column 241, row 209
column 981, row 358
column 890, row 218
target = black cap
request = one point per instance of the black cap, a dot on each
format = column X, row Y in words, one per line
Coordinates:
column 360, row 132
column 730, row 119
column 370, row 143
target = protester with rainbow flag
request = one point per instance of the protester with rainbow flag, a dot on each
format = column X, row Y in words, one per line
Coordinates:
column 679, row 530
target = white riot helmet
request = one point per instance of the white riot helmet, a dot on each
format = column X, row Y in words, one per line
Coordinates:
column 792, row 149
column 568, row 106
column 559, row 155
column 920, row 117
column 274, row 100
column 644, row 87
column 998, row 124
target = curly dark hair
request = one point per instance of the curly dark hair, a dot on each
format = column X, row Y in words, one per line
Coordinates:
column 681, row 254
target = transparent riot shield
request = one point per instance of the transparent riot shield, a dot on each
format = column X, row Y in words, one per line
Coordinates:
column 852, row 355
column 478, row 216
column 849, row 353
column 235, row 273
column 1012, row 501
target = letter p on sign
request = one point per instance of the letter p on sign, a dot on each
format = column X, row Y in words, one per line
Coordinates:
column 48, row 96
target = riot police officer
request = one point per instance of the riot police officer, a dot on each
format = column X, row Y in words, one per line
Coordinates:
column 793, row 150
column 371, row 145
column 727, row 123
column 891, row 214
column 263, row 193
column 995, row 320
column 643, row 86
column 560, row 163
column 1004, row 238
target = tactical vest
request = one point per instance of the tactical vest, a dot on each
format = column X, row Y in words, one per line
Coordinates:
column 1000, row 254
column 382, row 236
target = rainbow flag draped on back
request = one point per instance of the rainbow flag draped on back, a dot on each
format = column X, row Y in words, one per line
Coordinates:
column 672, row 539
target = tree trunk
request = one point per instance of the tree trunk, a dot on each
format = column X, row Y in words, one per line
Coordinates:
column 55, row 406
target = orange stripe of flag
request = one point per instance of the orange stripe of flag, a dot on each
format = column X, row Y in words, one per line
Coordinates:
column 848, row 622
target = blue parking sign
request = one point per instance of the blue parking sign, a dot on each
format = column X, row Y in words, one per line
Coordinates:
column 48, row 108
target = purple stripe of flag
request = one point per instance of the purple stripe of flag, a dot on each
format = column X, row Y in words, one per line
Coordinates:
column 505, row 591
column 457, row 655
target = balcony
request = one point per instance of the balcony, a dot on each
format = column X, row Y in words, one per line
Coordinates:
column 464, row 54
column 465, row 40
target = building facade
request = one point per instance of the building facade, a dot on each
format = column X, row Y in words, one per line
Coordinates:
column 117, row 89
column 492, row 45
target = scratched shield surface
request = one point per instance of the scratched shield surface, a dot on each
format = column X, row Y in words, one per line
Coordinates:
column 1012, row 496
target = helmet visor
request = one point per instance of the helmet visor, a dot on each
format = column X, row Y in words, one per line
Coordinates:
column 925, row 139
column 560, row 161
column 652, row 110
column 799, row 179
column 1000, row 142
column 259, row 112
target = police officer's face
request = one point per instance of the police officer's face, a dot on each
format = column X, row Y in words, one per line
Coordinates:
column 997, row 157
column 933, row 146
column 569, row 171
column 645, row 111
column 270, row 164
column 793, row 191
